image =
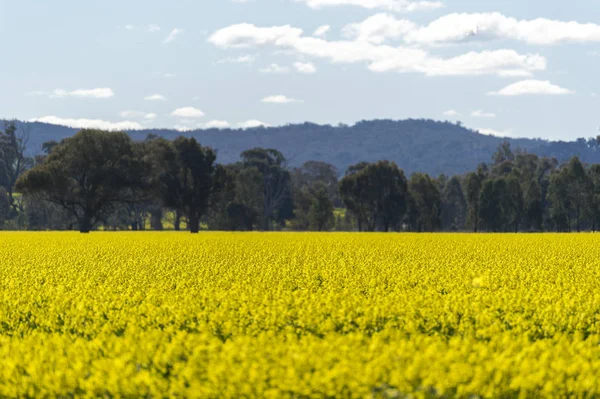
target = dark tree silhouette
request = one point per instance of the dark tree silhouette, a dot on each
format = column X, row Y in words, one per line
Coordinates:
column 88, row 175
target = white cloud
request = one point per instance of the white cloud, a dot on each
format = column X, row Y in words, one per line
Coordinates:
column 187, row 112
column 169, row 75
column 528, row 87
column 379, row 28
column 494, row 132
column 515, row 73
column 150, row 116
column 489, row 62
column 482, row 114
column 183, row 128
column 251, row 124
column 460, row 28
column 389, row 5
column 322, row 31
column 173, row 35
column 155, row 97
column 248, row 35
column 104, row 92
column 153, row 28
column 452, row 113
column 275, row 68
column 378, row 57
column 242, row 59
column 129, row 27
column 496, row 62
column 279, row 99
column 216, row 125
column 89, row 123
column 305, row 67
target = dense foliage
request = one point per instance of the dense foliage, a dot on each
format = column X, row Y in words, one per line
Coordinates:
column 298, row 315
column 107, row 180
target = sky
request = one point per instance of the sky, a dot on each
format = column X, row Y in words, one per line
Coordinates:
column 504, row 67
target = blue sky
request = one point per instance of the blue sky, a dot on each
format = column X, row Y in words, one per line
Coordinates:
column 517, row 68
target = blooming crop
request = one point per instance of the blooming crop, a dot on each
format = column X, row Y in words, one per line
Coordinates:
column 299, row 315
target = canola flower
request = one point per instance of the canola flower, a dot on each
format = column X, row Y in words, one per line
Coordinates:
column 229, row 315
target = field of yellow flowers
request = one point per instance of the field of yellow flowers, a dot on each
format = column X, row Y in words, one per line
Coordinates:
column 299, row 315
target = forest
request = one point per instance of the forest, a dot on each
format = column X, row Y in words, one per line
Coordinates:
column 100, row 180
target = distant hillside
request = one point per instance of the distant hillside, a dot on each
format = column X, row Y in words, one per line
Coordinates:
column 415, row 145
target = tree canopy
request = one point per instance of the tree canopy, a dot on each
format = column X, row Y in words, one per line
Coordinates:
column 88, row 175
column 98, row 179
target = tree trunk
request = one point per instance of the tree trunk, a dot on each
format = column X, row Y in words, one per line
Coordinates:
column 194, row 223
column 85, row 224
column 177, row 223
column 156, row 220
column 266, row 224
column 13, row 202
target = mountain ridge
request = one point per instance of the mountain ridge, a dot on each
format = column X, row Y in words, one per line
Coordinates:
column 416, row 145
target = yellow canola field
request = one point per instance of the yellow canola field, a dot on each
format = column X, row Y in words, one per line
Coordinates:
column 224, row 315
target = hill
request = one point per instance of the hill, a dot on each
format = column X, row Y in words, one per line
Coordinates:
column 415, row 145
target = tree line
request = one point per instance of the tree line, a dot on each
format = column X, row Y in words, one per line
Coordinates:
column 105, row 180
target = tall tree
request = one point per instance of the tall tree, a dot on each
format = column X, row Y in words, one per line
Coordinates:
column 503, row 154
column 303, row 197
column 454, row 206
column 594, row 175
column 376, row 194
column 426, row 201
column 495, row 204
column 544, row 171
column 489, row 206
column 249, row 194
column 13, row 160
column 269, row 166
column 89, row 175
column 4, row 206
column 560, row 205
column 580, row 189
column 356, row 198
column 218, row 203
column 229, row 207
column 474, row 182
column 525, row 171
column 313, row 173
column 533, row 205
column 514, row 203
column 306, row 181
column 320, row 214
column 187, row 176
